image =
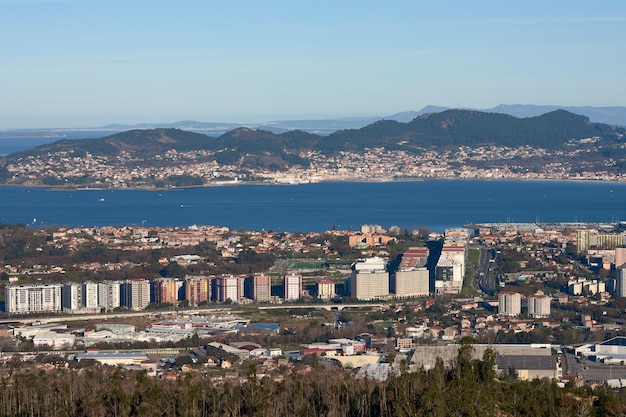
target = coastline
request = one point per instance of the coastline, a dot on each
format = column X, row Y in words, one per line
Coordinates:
column 291, row 184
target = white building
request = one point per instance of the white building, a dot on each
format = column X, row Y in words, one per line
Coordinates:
column 509, row 303
column 90, row 295
column 109, row 294
column 369, row 279
column 292, row 286
column 538, row 306
column 32, row 298
column 228, row 288
column 411, row 282
column 450, row 269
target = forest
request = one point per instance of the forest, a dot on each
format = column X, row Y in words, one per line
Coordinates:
column 469, row 389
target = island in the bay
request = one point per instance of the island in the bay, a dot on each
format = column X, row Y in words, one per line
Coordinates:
column 449, row 144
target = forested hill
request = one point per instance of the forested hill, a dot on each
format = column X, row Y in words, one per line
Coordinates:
column 450, row 128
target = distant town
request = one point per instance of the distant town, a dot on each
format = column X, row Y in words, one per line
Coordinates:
column 142, row 297
column 130, row 170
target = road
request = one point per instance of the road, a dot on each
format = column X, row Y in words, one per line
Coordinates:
column 485, row 278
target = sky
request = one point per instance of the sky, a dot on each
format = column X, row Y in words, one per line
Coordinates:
column 88, row 63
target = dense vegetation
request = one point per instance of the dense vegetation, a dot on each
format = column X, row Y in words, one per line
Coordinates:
column 447, row 129
column 471, row 389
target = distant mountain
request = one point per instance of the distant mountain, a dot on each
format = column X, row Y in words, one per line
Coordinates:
column 449, row 128
column 170, row 157
column 610, row 115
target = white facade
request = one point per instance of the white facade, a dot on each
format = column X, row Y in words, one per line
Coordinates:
column 538, row 306
column 229, row 288
column 90, row 295
column 292, row 287
column 109, row 294
column 370, row 279
column 32, row 298
column 412, row 282
column 136, row 294
column 450, row 269
column 509, row 303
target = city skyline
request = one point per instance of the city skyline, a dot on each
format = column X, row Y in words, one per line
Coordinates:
column 84, row 64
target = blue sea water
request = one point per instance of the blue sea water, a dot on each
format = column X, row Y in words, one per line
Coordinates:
column 436, row 204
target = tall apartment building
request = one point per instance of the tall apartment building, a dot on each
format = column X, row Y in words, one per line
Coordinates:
column 164, row 290
column 411, row 282
column 538, row 306
column 292, row 287
column 32, row 298
column 197, row 289
column 259, row 288
column 90, row 295
column 72, row 296
column 509, row 303
column 325, row 288
column 229, row 287
column 135, row 294
column 620, row 256
column 412, row 279
column 620, row 283
column 109, row 294
column 450, row 269
column 369, row 279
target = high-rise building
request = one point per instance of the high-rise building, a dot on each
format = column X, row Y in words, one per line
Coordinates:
column 197, row 289
column 369, row 279
column 450, row 269
column 109, row 294
column 72, row 296
column 261, row 287
column 135, row 294
column 412, row 279
column 90, row 295
column 620, row 256
column 229, row 288
column 411, row 282
column 620, row 283
column 164, row 291
column 325, row 288
column 32, row 298
column 292, row 286
column 538, row 306
column 509, row 303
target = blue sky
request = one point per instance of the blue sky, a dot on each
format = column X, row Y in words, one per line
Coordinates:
column 83, row 63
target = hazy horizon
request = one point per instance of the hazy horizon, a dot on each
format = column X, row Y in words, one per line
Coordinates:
column 79, row 63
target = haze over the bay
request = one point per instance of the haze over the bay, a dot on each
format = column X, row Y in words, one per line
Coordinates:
column 86, row 63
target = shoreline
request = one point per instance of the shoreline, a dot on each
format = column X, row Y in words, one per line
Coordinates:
column 283, row 184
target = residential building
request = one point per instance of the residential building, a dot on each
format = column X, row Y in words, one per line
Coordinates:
column 292, row 285
column 72, row 296
column 450, row 268
column 90, row 295
column 369, row 279
column 411, row 282
column 135, row 294
column 325, row 288
column 109, row 294
column 32, row 298
column 197, row 289
column 259, row 288
column 509, row 303
column 229, row 288
column 539, row 306
column 620, row 283
column 164, row 290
